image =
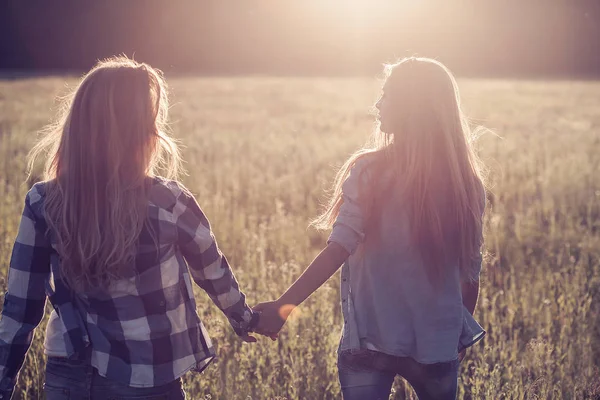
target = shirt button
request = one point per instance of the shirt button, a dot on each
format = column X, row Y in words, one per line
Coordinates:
column 162, row 303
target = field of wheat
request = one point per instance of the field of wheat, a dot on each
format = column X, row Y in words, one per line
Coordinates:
column 260, row 153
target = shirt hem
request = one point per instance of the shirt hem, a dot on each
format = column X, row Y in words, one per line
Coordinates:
column 401, row 354
column 205, row 361
column 209, row 358
column 475, row 340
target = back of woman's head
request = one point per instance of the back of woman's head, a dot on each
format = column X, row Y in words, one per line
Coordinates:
column 109, row 137
column 426, row 140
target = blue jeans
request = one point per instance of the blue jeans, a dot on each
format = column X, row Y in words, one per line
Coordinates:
column 77, row 380
column 367, row 374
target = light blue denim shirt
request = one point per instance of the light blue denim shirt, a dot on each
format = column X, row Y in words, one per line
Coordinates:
column 388, row 303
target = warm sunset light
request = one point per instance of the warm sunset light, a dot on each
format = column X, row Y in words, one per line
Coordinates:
column 300, row 199
column 286, row 310
column 361, row 12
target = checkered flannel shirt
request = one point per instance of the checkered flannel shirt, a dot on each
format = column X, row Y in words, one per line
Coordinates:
column 144, row 331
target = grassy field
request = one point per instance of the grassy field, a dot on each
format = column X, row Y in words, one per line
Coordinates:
column 261, row 151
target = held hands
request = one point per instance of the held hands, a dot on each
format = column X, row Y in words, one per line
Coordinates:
column 273, row 316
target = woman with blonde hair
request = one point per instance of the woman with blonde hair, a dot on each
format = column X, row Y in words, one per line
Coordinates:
column 406, row 214
column 114, row 247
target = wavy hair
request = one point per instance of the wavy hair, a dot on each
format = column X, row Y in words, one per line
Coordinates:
column 109, row 137
column 428, row 148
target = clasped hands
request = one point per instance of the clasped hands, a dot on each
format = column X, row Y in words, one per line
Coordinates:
column 273, row 316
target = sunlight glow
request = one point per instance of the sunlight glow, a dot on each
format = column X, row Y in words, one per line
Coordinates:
column 286, row 310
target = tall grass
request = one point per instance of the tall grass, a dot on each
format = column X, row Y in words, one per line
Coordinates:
column 261, row 151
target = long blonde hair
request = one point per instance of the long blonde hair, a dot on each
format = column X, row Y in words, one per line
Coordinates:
column 110, row 136
column 430, row 155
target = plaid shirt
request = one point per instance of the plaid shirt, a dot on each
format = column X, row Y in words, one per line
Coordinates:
column 144, row 331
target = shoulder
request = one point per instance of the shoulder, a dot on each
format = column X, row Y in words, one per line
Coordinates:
column 366, row 162
column 363, row 169
column 359, row 177
column 165, row 193
column 170, row 194
column 34, row 199
column 36, row 193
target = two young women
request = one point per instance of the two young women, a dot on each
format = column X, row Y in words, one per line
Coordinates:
column 115, row 248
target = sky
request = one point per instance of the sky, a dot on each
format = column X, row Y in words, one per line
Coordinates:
column 474, row 37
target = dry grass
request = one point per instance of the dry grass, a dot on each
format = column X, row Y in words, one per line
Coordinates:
column 260, row 152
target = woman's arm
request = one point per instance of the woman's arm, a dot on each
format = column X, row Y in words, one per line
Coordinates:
column 25, row 298
column 318, row 272
column 209, row 267
column 275, row 313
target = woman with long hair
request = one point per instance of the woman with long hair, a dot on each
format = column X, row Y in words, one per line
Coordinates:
column 114, row 247
column 406, row 218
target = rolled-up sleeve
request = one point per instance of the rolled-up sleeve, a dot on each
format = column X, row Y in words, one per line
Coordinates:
column 349, row 227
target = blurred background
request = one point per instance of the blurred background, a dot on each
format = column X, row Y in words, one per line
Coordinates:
column 533, row 38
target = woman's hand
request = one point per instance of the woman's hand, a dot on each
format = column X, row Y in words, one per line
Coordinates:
column 272, row 317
